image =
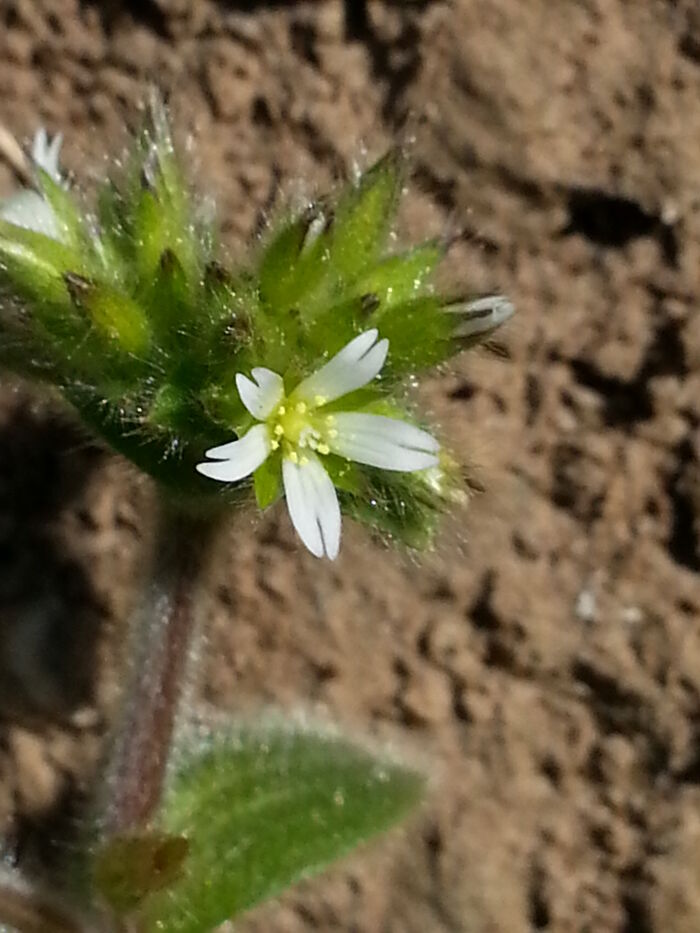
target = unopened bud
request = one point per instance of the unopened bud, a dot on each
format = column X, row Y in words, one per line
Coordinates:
column 476, row 319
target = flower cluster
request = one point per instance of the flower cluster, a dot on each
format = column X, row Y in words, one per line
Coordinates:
column 290, row 369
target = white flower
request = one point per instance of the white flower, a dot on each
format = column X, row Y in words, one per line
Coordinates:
column 28, row 208
column 298, row 426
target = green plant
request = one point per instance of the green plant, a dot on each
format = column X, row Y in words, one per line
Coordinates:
column 283, row 378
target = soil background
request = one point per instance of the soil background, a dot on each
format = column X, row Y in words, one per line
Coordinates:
column 545, row 661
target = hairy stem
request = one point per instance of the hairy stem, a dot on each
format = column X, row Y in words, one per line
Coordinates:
column 162, row 639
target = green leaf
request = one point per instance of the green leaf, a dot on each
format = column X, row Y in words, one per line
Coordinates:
column 129, row 868
column 261, row 810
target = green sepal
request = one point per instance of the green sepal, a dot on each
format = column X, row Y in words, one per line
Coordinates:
column 399, row 279
column 364, row 217
column 171, row 410
column 346, row 475
column 113, row 313
column 293, row 262
column 396, row 505
column 35, row 264
column 71, row 228
column 168, row 301
column 151, row 234
column 262, row 809
column 420, row 335
column 267, row 481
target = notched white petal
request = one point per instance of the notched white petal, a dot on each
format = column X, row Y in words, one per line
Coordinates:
column 262, row 396
column 313, row 506
column 386, row 443
column 238, row 459
column 352, row 368
column 46, row 154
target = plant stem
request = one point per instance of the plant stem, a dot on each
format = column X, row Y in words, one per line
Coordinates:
column 162, row 639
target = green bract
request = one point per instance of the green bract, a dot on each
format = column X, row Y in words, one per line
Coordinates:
column 135, row 317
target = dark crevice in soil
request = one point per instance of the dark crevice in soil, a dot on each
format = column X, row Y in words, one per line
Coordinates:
column 683, row 541
column 304, row 38
column 614, row 221
column 538, row 905
column 615, row 706
column 571, row 489
column 441, row 190
column 395, row 62
column 146, row 13
column 627, row 402
column 357, row 26
column 481, row 612
column 637, row 918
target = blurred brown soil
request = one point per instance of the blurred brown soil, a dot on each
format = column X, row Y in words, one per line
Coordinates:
column 545, row 662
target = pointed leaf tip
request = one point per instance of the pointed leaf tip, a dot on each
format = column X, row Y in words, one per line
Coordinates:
column 262, row 809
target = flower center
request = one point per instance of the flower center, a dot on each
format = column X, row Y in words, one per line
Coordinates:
column 297, row 427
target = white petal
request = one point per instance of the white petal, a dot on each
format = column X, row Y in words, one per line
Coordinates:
column 46, row 154
column 53, row 156
column 313, row 506
column 39, row 145
column 263, row 398
column 29, row 210
column 239, row 458
column 353, row 367
column 387, row 443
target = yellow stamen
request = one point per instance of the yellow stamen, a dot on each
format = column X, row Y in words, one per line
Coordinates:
column 293, row 456
column 320, row 400
column 275, row 445
column 323, row 449
column 279, row 430
column 281, row 411
column 332, row 433
column 301, row 408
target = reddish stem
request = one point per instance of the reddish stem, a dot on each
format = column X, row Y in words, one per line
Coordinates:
column 163, row 638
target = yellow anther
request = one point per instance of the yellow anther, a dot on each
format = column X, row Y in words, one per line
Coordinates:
column 320, row 400
column 275, row 445
column 330, row 419
column 332, row 433
column 304, row 461
column 323, row 449
column 301, row 408
column 293, row 456
column 279, row 430
column 281, row 411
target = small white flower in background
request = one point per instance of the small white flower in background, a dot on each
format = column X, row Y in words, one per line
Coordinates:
column 298, row 426
column 28, row 208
